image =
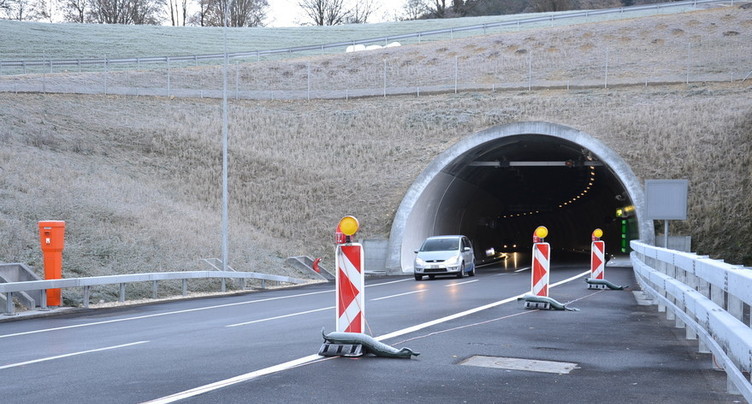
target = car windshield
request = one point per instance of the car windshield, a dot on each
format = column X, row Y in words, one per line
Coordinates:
column 440, row 244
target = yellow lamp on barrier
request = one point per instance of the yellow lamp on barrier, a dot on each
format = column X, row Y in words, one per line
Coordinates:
column 348, row 225
column 597, row 234
column 539, row 234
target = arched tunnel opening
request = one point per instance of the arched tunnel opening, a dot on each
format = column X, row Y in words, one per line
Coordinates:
column 498, row 185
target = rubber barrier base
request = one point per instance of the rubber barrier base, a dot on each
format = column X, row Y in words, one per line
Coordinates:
column 349, row 350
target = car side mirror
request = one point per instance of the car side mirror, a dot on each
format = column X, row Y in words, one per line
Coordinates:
column 415, row 251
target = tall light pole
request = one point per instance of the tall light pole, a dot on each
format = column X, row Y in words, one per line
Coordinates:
column 225, row 194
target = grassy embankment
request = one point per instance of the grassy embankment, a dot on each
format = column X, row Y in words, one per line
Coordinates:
column 137, row 179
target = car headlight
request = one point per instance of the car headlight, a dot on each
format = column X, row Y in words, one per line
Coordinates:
column 419, row 262
column 452, row 261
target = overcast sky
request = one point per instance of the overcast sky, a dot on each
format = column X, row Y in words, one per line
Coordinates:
column 287, row 13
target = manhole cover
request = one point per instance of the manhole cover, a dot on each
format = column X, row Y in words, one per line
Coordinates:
column 530, row 365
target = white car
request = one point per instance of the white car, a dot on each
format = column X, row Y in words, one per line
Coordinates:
column 444, row 255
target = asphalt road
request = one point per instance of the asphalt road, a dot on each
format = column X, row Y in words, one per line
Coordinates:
column 262, row 347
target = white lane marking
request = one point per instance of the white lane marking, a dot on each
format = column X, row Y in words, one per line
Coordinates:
column 522, row 269
column 18, row 334
column 398, row 295
column 169, row 313
column 460, row 283
column 389, row 283
column 467, row 312
column 316, row 358
column 300, row 313
column 14, row 365
column 237, row 379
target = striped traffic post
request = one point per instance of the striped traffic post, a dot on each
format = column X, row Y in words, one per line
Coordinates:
column 597, row 253
column 597, row 260
column 538, row 296
column 541, row 265
column 350, row 314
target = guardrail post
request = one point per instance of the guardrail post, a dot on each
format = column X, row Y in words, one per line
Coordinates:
column 121, row 296
column 716, row 295
column 9, row 306
column 185, row 287
column 87, row 294
column 224, row 285
column 43, row 303
column 153, row 289
column 736, row 307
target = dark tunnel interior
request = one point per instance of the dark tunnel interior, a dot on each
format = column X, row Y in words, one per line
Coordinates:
column 504, row 189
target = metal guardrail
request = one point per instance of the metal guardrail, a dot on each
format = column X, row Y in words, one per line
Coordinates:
column 386, row 39
column 122, row 280
column 708, row 298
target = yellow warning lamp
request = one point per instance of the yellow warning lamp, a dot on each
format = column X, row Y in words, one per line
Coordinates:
column 597, row 234
column 540, row 233
column 347, row 226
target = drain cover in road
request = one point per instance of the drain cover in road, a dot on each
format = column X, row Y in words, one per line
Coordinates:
column 530, row 365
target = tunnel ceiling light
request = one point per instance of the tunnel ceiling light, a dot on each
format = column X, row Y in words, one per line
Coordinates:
column 497, row 164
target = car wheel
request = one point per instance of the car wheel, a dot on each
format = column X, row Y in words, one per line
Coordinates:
column 462, row 271
column 472, row 273
column 418, row 277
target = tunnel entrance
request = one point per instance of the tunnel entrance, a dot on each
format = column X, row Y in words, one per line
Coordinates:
column 498, row 185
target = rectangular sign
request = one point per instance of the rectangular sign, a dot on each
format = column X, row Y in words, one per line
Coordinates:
column 666, row 199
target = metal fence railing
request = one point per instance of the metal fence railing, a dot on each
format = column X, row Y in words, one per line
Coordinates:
column 87, row 283
column 552, row 64
column 12, row 67
column 710, row 298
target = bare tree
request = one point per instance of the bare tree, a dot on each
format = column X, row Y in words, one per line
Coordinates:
column 178, row 10
column 361, row 11
column 22, row 10
column 414, row 9
column 199, row 18
column 75, row 10
column 248, row 13
column 125, row 11
column 325, row 12
column 242, row 13
column 438, row 9
column 46, row 9
column 550, row 5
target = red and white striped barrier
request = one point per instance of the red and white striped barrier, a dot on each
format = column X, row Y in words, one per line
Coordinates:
column 350, row 288
column 597, row 259
column 597, row 278
column 541, row 266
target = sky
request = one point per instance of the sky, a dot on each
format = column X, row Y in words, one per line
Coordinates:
column 287, row 13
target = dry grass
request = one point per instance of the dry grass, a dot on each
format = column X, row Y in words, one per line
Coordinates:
column 138, row 179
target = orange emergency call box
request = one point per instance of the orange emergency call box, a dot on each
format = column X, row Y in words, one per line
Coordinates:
column 52, row 241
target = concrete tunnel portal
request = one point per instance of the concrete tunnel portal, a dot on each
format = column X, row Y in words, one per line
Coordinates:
column 498, row 185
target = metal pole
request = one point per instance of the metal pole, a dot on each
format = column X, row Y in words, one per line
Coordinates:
column 384, row 78
column 605, row 84
column 168, row 77
column 225, row 196
column 308, row 77
column 665, row 233
column 456, row 73
column 105, row 75
column 689, row 59
column 529, row 71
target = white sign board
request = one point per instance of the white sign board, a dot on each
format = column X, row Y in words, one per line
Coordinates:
column 666, row 199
